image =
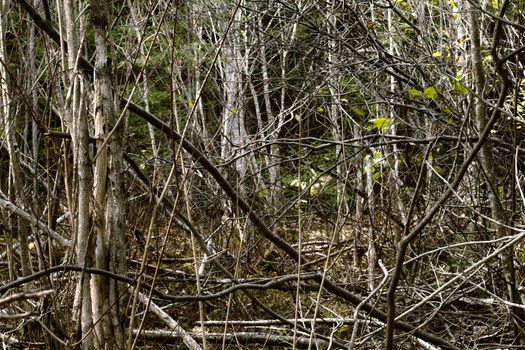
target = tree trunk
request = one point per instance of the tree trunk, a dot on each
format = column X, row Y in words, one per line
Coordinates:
column 76, row 119
column 108, row 186
column 16, row 187
column 486, row 157
column 234, row 133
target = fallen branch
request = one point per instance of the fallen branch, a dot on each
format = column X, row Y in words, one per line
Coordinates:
column 170, row 322
column 12, row 317
column 26, row 216
column 26, row 295
column 264, row 323
column 244, row 338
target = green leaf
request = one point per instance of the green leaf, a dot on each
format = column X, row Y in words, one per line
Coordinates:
column 263, row 193
column 414, row 93
column 268, row 251
column 438, row 170
column 458, row 88
column 358, row 111
column 382, row 124
column 430, row 92
column 320, row 109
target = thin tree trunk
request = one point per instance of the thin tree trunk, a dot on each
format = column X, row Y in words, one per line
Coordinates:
column 134, row 11
column 108, row 186
column 234, row 131
column 272, row 160
column 32, row 125
column 4, row 119
column 486, row 157
column 16, row 188
column 76, row 119
column 336, row 121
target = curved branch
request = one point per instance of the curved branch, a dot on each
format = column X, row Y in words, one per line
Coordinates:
column 64, row 268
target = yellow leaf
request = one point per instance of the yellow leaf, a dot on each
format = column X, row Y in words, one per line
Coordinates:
column 437, row 54
column 382, row 124
column 430, row 92
column 414, row 92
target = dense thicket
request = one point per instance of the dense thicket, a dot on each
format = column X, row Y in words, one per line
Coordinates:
column 249, row 174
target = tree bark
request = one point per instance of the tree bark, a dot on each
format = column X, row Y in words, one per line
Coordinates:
column 486, row 156
column 108, row 186
column 76, row 119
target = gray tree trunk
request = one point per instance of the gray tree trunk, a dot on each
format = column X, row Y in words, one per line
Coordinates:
column 74, row 113
column 108, row 186
column 486, row 157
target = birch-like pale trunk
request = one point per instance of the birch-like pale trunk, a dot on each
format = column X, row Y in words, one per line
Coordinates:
column 4, row 124
column 371, row 253
column 336, row 120
column 234, row 133
column 397, row 183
